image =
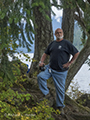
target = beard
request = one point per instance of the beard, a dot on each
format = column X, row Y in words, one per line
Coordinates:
column 60, row 37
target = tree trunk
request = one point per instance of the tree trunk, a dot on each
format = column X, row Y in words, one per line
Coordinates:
column 68, row 24
column 68, row 28
column 85, row 52
column 43, row 36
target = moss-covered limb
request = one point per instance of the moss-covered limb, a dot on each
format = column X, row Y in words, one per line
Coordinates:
column 84, row 100
column 75, row 106
column 73, row 111
column 77, row 116
column 29, row 86
column 71, row 105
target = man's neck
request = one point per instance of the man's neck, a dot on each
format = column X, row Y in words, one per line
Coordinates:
column 58, row 40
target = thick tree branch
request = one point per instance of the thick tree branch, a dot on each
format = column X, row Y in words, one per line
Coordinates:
column 85, row 52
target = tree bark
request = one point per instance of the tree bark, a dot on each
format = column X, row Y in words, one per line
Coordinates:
column 43, row 36
column 68, row 24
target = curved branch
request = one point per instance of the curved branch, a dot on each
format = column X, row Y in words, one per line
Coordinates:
column 85, row 52
column 80, row 21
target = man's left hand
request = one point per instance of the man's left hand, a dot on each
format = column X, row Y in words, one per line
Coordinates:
column 66, row 65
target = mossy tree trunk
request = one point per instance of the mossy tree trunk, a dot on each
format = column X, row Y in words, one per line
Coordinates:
column 68, row 24
column 43, row 36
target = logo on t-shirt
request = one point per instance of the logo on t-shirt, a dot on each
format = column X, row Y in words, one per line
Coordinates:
column 59, row 47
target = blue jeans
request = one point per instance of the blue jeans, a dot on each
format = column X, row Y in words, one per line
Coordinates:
column 59, row 79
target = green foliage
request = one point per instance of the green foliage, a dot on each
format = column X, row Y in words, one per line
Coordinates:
column 45, row 6
column 82, row 4
column 68, row 4
column 40, row 112
column 81, row 102
column 13, row 104
column 17, row 27
column 83, row 11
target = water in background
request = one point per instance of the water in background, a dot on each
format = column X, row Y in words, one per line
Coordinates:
column 23, row 58
column 82, row 78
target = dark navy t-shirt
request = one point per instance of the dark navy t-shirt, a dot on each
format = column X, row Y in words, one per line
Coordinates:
column 60, row 53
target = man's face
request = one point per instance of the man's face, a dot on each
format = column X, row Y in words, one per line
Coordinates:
column 59, row 34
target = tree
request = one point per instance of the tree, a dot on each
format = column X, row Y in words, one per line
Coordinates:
column 16, row 29
column 68, row 23
column 44, row 32
column 13, row 32
column 82, row 8
column 43, row 36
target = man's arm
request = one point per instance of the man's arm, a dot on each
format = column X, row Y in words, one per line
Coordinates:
column 71, row 61
column 42, row 59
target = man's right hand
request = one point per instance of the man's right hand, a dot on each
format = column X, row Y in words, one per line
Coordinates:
column 41, row 64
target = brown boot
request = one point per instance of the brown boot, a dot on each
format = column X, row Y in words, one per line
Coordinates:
column 61, row 110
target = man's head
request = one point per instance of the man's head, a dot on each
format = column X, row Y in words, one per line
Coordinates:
column 59, row 34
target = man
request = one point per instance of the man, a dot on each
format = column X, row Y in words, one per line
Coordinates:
column 59, row 51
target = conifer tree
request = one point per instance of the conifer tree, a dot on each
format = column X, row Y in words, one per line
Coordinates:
column 16, row 29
